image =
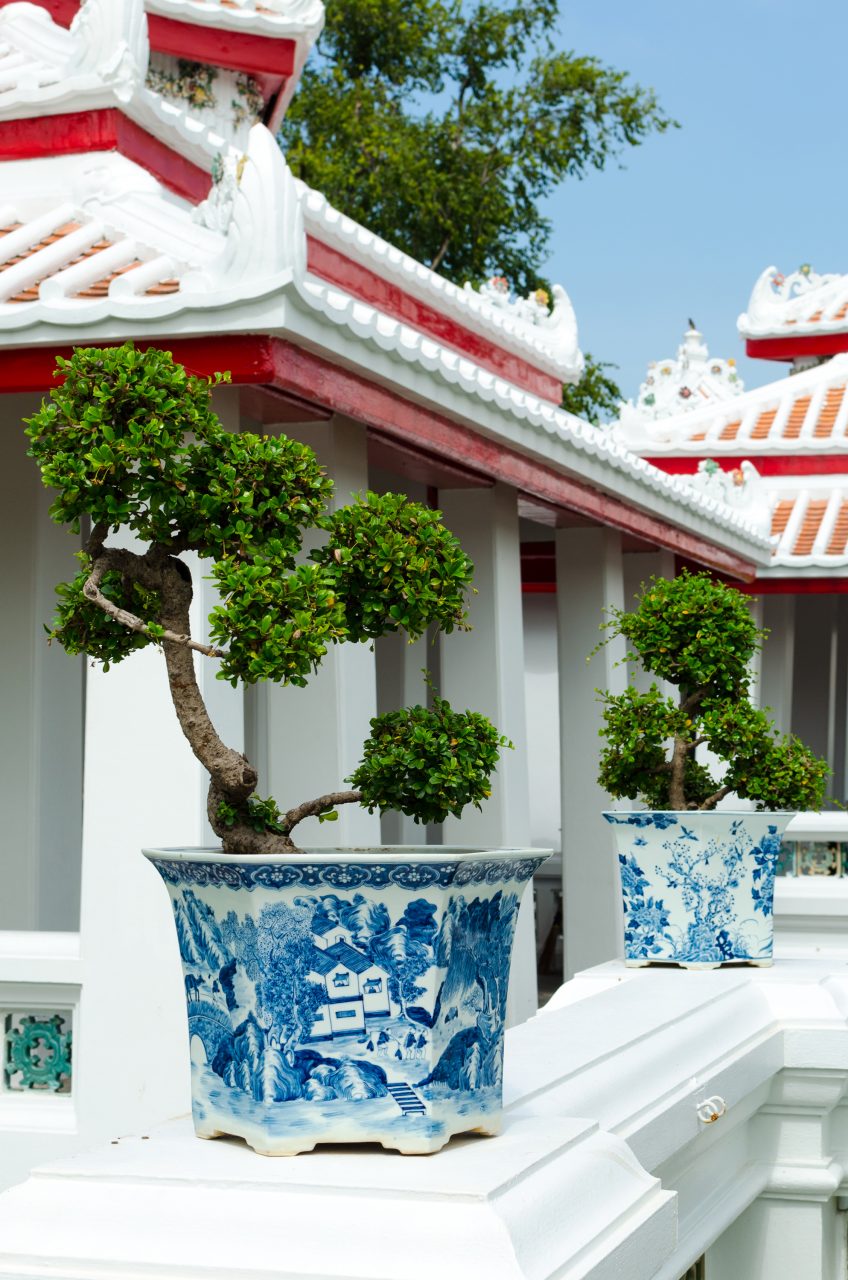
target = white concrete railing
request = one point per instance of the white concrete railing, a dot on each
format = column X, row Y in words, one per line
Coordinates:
column 40, row 977
column 610, row 1164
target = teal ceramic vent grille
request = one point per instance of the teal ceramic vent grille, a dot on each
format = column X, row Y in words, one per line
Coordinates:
column 37, row 1052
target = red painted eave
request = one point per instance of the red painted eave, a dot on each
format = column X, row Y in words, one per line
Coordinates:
column 285, row 367
column 85, row 132
column 236, row 50
column 788, row 348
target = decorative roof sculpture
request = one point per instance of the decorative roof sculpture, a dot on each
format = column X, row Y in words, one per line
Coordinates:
column 690, row 381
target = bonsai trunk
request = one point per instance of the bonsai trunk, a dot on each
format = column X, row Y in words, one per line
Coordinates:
column 233, row 779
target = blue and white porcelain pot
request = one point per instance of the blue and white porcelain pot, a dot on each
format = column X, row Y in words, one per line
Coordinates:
column 698, row 887
column 346, row 995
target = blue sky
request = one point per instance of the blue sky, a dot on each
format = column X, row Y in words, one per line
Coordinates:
column 756, row 174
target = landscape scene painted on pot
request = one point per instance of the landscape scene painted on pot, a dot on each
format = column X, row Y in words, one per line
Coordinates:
column 327, row 999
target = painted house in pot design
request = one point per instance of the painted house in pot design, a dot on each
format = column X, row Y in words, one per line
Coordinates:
column 357, row 988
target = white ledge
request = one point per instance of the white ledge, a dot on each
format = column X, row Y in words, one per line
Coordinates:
column 604, row 1169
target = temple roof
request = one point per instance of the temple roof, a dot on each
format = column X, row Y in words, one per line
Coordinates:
column 116, row 240
column 805, row 413
column 801, row 304
column 690, row 380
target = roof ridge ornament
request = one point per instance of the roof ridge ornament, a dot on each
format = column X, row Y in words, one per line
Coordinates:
column 778, row 299
column 254, row 203
column 110, row 39
column 692, row 380
column 534, row 313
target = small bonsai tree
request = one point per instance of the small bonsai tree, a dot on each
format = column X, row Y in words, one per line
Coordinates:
column 698, row 634
column 129, row 440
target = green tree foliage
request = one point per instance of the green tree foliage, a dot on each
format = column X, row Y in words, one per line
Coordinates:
column 698, row 634
column 443, row 125
column 129, row 439
column 596, row 397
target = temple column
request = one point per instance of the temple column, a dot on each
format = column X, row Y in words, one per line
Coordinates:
column 306, row 741
column 589, row 581
column 483, row 670
column 143, row 788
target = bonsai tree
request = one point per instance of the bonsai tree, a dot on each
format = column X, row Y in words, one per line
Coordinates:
column 129, row 440
column 698, row 634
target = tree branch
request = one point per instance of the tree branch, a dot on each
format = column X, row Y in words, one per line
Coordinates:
column 129, row 620
column 322, row 805
column 712, row 801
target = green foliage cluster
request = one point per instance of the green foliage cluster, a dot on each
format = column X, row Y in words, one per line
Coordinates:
column 397, row 567
column 443, row 126
column 596, row 397
column 428, row 763
column 81, row 627
column 130, row 439
column 698, row 634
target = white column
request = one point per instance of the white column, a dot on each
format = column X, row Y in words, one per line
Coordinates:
column 41, row 695
column 400, row 683
column 310, row 740
column 143, row 788
column 483, row 670
column 778, row 658
column 589, row 580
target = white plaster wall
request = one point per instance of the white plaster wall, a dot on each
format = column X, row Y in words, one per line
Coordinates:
column 41, row 695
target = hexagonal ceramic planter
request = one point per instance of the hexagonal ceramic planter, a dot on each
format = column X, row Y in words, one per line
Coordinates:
column 698, row 887
column 346, row 995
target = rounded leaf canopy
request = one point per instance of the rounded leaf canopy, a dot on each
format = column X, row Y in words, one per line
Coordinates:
column 428, row 763
column 130, row 439
column 694, row 632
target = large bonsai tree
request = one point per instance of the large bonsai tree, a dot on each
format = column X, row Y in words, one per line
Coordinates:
column 698, row 634
column 129, row 441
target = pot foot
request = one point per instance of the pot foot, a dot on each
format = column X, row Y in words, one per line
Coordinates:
column 761, row 964
column 636, row 964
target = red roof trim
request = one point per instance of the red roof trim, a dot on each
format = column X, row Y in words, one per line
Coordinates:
column 810, row 344
column 815, row 464
column 361, row 282
column 103, row 130
column 61, row 11
column 237, row 50
column 287, row 367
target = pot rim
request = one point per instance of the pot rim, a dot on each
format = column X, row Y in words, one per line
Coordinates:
column 712, row 813
column 369, row 855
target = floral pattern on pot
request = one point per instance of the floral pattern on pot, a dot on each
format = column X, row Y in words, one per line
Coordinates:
column 698, row 887
column 335, row 1000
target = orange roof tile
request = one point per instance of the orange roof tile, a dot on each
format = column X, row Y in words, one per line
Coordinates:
column 30, row 294
column 763, row 424
column 842, row 312
column 164, row 286
column 810, row 526
column 839, row 536
column 780, row 515
column 100, row 288
column 817, row 315
column 795, row 421
column 729, row 431
column 42, row 244
column 829, row 411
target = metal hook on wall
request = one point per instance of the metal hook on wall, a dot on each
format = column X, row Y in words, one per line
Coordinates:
column 711, row 1109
